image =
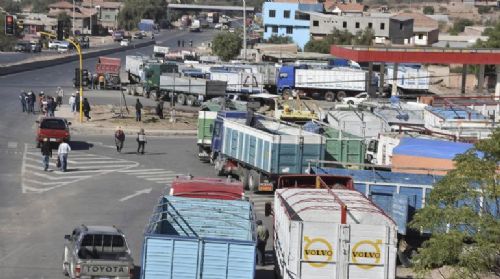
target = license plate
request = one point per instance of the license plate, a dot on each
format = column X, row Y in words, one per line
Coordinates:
column 53, row 139
column 266, row 187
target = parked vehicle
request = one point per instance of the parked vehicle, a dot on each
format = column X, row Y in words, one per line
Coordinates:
column 410, row 78
column 259, row 150
column 321, row 83
column 110, row 69
column 357, row 240
column 189, row 90
column 124, row 42
column 35, row 47
column 160, row 51
column 356, row 100
column 54, row 44
column 146, row 25
column 138, row 35
column 213, row 17
column 97, row 252
column 56, row 129
column 239, row 79
column 118, row 35
column 195, row 26
column 195, row 234
column 207, row 188
column 22, row 47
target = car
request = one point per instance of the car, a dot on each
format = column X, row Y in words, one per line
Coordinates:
column 356, row 100
column 62, row 49
column 35, row 47
column 218, row 26
column 56, row 129
column 124, row 42
column 55, row 44
column 138, row 35
column 22, row 47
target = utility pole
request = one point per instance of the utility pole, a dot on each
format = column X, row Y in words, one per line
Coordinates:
column 91, row 14
column 73, row 23
column 244, row 30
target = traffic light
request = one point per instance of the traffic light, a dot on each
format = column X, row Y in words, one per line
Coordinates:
column 60, row 30
column 9, row 25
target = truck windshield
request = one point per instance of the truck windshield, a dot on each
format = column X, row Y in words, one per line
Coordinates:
column 53, row 124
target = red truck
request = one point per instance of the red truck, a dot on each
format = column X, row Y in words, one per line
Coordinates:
column 109, row 68
column 207, row 188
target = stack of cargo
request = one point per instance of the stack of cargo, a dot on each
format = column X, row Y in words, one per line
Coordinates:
column 426, row 156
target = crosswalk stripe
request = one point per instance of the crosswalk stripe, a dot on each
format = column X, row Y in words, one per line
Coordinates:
column 138, row 171
column 94, row 162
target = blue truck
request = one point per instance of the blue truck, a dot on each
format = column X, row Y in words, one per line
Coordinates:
column 259, row 150
column 198, row 238
column 398, row 194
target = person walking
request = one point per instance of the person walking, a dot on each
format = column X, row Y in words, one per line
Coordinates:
column 138, row 108
column 46, row 153
column 119, row 139
column 141, row 141
column 159, row 109
column 262, row 237
column 22, row 98
column 101, row 82
column 91, row 80
column 63, row 152
column 31, row 102
column 72, row 102
column 41, row 96
column 86, row 108
column 51, row 106
column 60, row 95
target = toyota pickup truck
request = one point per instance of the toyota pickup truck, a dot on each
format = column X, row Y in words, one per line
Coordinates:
column 93, row 252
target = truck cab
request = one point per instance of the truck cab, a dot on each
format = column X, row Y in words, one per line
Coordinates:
column 97, row 252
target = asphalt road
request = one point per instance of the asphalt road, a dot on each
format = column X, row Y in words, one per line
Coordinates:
column 38, row 208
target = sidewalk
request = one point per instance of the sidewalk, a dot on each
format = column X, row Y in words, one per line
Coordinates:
column 104, row 123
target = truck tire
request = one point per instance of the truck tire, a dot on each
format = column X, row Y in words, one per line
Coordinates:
column 181, row 99
column 341, row 95
column 253, row 180
column 243, row 174
column 191, row 101
column 329, row 96
column 286, row 94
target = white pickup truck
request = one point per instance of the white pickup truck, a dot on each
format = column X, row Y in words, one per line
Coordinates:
column 97, row 252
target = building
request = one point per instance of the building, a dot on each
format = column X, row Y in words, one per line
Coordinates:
column 288, row 19
column 387, row 28
column 107, row 12
column 425, row 29
column 35, row 22
column 344, row 8
column 82, row 16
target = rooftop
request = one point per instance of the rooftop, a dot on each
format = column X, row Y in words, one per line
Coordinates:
column 421, row 20
column 102, row 4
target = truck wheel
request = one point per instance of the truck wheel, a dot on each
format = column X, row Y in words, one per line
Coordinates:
column 253, row 180
column 286, row 94
column 181, row 99
column 244, row 173
column 329, row 96
column 191, row 101
column 341, row 95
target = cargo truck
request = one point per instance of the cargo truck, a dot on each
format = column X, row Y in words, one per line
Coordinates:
column 321, row 83
column 134, row 66
column 160, row 51
column 190, row 90
column 109, row 68
column 357, row 240
column 410, row 79
column 198, row 238
column 238, row 79
column 259, row 150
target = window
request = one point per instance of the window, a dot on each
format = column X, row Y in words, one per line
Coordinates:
column 357, row 24
column 286, row 14
column 315, row 23
column 382, row 26
column 301, row 16
column 370, row 25
column 401, row 26
column 272, row 13
column 420, row 36
column 289, row 30
column 344, row 24
column 275, row 29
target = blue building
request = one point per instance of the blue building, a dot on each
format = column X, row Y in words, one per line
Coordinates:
column 287, row 19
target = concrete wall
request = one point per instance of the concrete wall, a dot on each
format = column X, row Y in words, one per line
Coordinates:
column 400, row 31
column 326, row 24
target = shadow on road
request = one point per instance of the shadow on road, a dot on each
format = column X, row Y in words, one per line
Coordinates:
column 80, row 145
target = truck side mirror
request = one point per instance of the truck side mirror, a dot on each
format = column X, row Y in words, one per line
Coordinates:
column 67, row 237
column 268, row 211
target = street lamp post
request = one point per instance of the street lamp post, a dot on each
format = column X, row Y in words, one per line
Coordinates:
column 244, row 30
column 73, row 23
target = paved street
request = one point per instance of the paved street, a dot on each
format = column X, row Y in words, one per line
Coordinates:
column 102, row 186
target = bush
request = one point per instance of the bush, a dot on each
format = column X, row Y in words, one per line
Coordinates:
column 275, row 39
column 428, row 10
column 483, row 9
column 459, row 26
column 227, row 45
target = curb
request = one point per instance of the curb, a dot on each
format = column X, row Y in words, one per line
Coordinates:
column 81, row 130
column 57, row 61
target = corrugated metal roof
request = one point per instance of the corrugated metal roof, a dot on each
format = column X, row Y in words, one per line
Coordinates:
column 430, row 148
column 202, row 218
column 313, row 205
column 360, row 123
column 456, row 113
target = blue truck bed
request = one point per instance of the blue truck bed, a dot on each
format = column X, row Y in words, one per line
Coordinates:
column 199, row 238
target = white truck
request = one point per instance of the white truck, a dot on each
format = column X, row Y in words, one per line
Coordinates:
column 239, row 80
column 379, row 151
column 357, row 240
column 195, row 26
column 160, row 51
column 134, row 66
column 409, row 79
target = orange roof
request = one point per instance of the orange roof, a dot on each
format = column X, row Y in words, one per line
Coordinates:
column 421, row 20
column 61, row 5
column 350, row 7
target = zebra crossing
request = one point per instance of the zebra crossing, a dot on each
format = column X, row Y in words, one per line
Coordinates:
column 160, row 176
column 81, row 165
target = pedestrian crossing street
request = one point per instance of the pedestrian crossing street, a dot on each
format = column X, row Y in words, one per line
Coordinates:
column 160, row 176
column 81, row 165
column 259, row 201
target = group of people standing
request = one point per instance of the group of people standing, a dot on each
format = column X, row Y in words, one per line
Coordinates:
column 139, row 107
column 74, row 103
column 120, row 139
column 62, row 154
column 46, row 104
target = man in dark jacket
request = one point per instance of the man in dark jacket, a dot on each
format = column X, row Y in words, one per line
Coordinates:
column 138, row 112
column 86, row 108
column 46, row 153
column 262, row 237
column 159, row 109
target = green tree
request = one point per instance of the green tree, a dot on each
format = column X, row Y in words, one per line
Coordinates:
column 11, row 6
column 67, row 22
column 135, row 10
column 364, row 37
column 227, row 45
column 275, row 39
column 339, row 38
column 463, row 215
column 459, row 25
column 493, row 34
column 428, row 10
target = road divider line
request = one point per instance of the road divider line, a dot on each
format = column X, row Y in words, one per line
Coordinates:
column 137, row 193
